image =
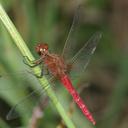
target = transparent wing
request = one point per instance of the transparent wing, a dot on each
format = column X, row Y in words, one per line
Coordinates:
column 21, row 105
column 79, row 62
column 92, row 96
column 38, row 112
column 70, row 41
column 81, row 59
column 21, row 83
column 13, row 80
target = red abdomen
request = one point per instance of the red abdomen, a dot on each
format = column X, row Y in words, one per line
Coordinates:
column 68, row 85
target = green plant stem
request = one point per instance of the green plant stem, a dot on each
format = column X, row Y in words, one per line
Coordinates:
column 25, row 52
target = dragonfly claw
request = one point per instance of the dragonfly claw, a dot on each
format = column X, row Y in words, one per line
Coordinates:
column 37, row 76
column 42, row 74
column 28, row 62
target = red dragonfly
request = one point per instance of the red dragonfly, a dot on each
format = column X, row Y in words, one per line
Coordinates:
column 59, row 67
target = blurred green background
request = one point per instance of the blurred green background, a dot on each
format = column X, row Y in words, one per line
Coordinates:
column 105, row 81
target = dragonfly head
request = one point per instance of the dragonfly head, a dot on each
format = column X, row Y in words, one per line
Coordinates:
column 42, row 49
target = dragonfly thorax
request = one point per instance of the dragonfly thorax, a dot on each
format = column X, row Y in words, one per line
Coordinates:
column 55, row 64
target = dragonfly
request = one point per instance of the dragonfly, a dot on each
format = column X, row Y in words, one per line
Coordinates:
column 59, row 66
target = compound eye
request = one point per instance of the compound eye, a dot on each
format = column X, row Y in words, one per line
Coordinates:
column 41, row 49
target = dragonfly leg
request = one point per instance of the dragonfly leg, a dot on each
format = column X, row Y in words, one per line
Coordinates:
column 30, row 63
column 41, row 74
column 37, row 76
column 44, row 71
